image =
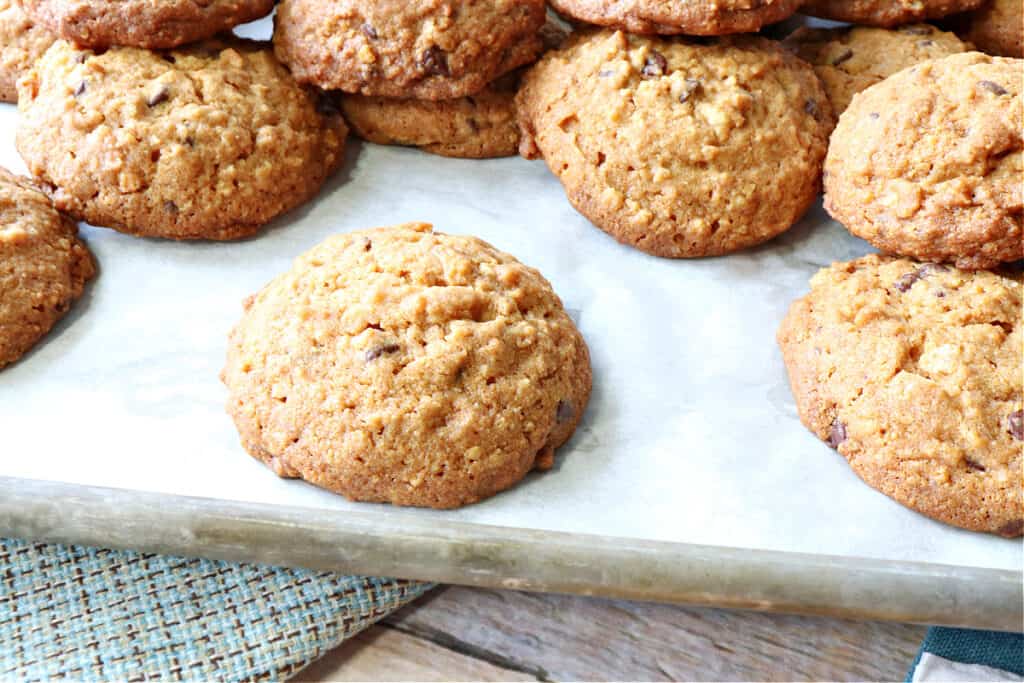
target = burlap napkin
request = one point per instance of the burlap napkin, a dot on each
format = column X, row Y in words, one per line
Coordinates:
column 89, row 614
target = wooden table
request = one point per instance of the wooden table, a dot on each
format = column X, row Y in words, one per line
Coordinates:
column 473, row 634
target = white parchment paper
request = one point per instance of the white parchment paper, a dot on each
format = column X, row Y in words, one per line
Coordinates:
column 691, row 435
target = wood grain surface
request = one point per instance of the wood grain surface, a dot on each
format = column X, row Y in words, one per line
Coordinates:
column 475, row 634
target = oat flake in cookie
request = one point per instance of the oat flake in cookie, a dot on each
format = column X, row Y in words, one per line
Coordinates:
column 927, row 163
column 849, row 60
column 912, row 371
column 679, row 148
column 885, row 13
column 428, row 50
column 406, row 366
column 693, row 17
column 43, row 266
column 207, row 142
column 152, row 24
column 21, row 43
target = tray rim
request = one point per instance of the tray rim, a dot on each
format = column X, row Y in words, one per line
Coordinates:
column 513, row 558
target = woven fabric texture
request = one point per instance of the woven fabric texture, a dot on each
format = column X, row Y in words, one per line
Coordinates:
column 998, row 650
column 88, row 614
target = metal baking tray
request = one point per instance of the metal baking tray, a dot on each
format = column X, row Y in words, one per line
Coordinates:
column 690, row 479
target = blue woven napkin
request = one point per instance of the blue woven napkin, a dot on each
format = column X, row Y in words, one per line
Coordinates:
column 999, row 652
column 88, row 614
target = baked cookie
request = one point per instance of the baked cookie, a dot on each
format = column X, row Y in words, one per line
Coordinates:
column 21, row 43
column 913, row 373
column 428, row 50
column 678, row 148
column 885, row 13
column 927, row 163
column 207, row 142
column 152, row 24
column 848, row 60
column 694, row 17
column 405, row 366
column 43, row 266
column 479, row 126
column 997, row 27
column 473, row 127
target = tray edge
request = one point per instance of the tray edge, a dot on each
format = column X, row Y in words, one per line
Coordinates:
column 516, row 559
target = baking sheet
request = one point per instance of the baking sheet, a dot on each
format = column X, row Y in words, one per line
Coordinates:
column 691, row 435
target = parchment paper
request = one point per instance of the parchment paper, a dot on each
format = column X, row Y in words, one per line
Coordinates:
column 691, row 435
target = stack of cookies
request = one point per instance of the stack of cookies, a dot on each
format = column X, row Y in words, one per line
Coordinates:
column 436, row 75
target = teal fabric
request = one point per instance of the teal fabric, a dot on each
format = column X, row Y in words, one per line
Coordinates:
column 998, row 650
column 89, row 614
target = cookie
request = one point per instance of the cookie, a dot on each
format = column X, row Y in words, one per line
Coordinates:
column 473, row 127
column 927, row 163
column 152, row 24
column 480, row 126
column 848, row 60
column 997, row 27
column 430, row 50
column 21, row 43
column 211, row 141
column 913, row 373
column 43, row 266
column 406, row 366
column 678, row 148
column 885, row 13
column 694, row 17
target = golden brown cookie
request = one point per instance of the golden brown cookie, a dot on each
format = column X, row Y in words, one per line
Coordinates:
column 693, row 17
column 406, row 366
column 913, row 373
column 152, row 24
column 997, row 27
column 428, row 50
column 211, row 141
column 927, row 163
column 885, row 13
column 21, row 43
column 43, row 266
column 473, row 127
column 679, row 148
column 848, row 60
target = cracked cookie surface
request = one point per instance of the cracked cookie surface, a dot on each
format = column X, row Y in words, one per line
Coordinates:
column 678, row 148
column 928, row 163
column 152, row 24
column 43, row 266
column 913, row 373
column 694, row 17
column 22, row 41
column 207, row 142
column 886, row 13
column 849, row 60
column 406, row 366
column 429, row 50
